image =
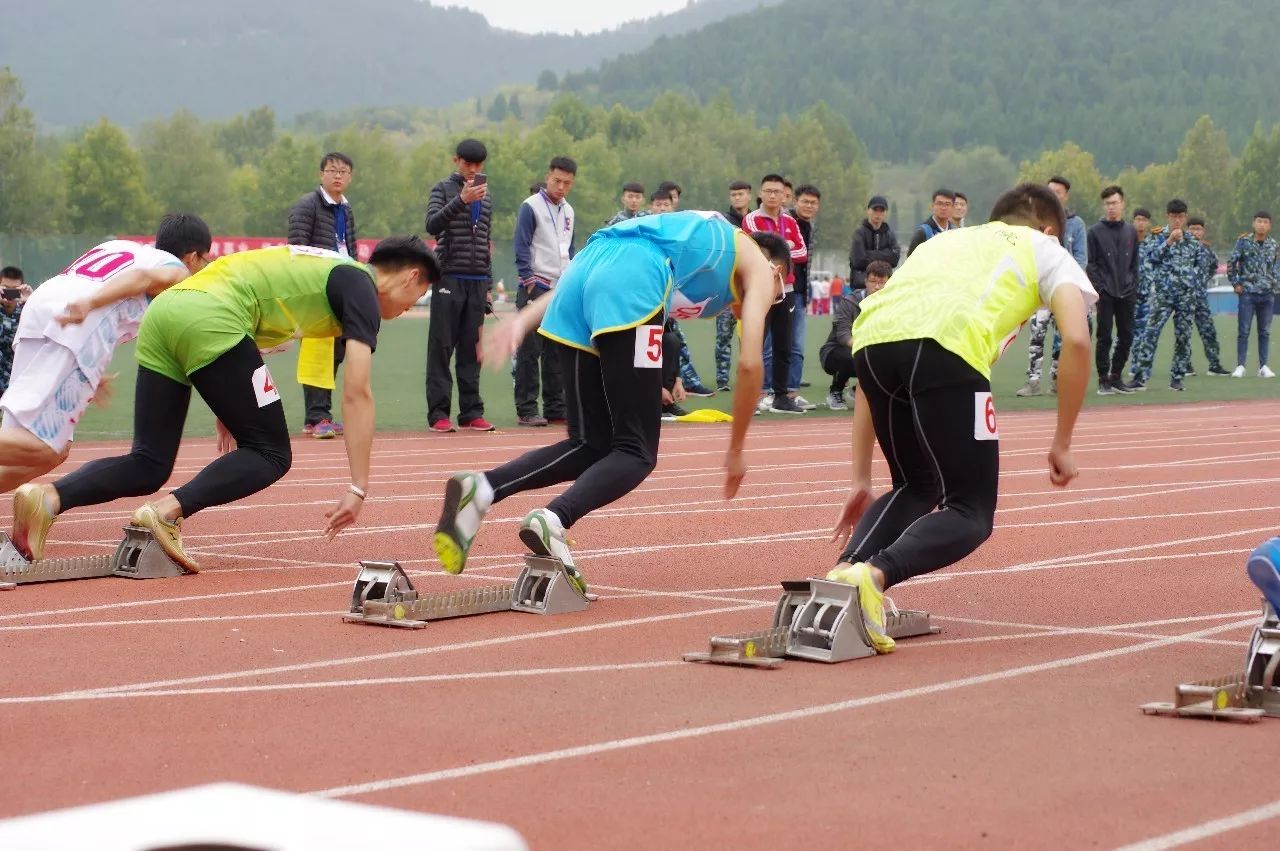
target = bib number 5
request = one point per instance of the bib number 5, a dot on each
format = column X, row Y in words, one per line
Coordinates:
column 984, row 418
column 648, row 347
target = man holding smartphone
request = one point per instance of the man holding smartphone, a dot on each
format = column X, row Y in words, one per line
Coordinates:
column 458, row 216
column 13, row 292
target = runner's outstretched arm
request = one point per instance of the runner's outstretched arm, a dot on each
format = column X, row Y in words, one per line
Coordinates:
column 1069, row 312
column 759, row 288
column 357, row 410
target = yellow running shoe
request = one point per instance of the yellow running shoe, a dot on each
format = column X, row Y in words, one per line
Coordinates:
column 31, row 521
column 870, row 598
column 168, row 535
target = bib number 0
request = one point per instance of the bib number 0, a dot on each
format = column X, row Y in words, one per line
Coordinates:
column 648, row 347
column 985, row 426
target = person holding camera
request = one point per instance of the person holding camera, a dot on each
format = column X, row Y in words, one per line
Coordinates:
column 12, row 297
column 458, row 216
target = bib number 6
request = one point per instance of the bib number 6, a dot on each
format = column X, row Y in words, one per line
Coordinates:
column 648, row 347
column 985, row 426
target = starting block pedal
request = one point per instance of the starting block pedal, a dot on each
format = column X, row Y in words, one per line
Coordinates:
column 1246, row 696
column 384, row 595
column 138, row 556
column 814, row 619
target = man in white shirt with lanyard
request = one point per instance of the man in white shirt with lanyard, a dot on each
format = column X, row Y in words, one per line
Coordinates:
column 544, row 247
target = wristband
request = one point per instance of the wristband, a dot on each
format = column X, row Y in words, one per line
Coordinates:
column 358, row 491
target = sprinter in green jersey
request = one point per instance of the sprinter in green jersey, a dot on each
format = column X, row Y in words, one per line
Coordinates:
column 208, row 332
column 923, row 349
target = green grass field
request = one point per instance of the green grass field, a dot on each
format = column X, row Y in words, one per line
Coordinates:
column 400, row 368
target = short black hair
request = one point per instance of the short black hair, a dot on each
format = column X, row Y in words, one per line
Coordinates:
column 1261, row 214
column 398, row 252
column 880, row 268
column 1030, row 204
column 739, row 184
column 961, row 196
column 1195, row 220
column 809, row 189
column 1142, row 211
column 787, row 183
column 1108, row 191
column 1061, row 181
column 633, row 187
column 183, row 233
column 1177, row 205
column 773, row 178
column 563, row 164
column 775, row 248
column 671, row 186
column 472, row 151
column 336, row 157
column 13, row 273
column 942, row 192
column 659, row 194
column 537, row 186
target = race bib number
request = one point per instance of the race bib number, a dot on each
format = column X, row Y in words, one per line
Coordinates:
column 310, row 251
column 648, row 347
column 984, row 417
column 264, row 387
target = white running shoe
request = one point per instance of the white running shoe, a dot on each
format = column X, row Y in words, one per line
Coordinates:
column 835, row 401
column 467, row 497
column 804, row 404
column 544, row 534
column 766, row 402
column 1238, row 372
column 1266, row 372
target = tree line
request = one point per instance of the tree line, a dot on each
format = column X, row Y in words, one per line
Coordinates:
column 242, row 175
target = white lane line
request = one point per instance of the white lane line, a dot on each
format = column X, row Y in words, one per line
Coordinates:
column 352, row 683
column 1208, row 829
column 419, row 651
column 41, row 627
column 752, row 722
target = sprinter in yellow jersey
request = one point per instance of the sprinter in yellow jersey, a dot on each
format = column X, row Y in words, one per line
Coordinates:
column 923, row 349
column 206, row 332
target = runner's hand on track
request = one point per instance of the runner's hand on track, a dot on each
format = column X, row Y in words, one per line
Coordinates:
column 344, row 515
column 735, row 469
column 1062, row 467
column 226, row 442
column 854, row 506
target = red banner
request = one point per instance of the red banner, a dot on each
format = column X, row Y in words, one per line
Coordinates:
column 235, row 244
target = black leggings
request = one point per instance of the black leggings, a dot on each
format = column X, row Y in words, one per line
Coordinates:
column 778, row 324
column 614, row 410
column 159, row 412
column 929, row 407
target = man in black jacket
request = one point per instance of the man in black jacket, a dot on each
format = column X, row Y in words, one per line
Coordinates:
column 323, row 219
column 1113, row 271
column 872, row 240
column 458, row 216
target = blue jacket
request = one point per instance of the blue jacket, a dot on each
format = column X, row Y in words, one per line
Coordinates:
column 1076, row 240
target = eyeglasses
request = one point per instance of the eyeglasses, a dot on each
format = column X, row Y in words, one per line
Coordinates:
column 338, row 172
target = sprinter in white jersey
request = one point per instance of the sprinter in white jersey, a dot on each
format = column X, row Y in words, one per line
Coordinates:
column 69, row 330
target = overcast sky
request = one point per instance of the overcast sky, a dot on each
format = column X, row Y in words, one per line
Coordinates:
column 564, row 15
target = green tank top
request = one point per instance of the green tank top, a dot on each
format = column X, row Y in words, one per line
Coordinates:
column 969, row 289
column 275, row 294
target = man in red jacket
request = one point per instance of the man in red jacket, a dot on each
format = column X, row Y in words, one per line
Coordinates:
column 771, row 218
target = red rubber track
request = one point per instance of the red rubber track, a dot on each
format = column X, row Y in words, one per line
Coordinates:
column 1018, row 726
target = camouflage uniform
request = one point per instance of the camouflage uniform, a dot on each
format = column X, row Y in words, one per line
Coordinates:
column 688, row 375
column 1176, row 269
column 1204, row 316
column 725, row 323
column 1255, row 268
column 1143, row 306
column 8, row 330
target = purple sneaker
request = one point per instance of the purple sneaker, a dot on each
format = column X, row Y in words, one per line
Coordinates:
column 324, row 431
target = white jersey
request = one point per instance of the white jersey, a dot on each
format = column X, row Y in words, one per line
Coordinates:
column 94, row 340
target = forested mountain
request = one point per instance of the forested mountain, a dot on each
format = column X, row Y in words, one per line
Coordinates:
column 132, row 60
column 1124, row 80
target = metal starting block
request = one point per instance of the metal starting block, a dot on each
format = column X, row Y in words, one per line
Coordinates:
column 815, row 619
column 138, row 556
column 1246, row 696
column 383, row 595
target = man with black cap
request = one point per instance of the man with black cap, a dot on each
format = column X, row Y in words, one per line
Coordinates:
column 458, row 216
column 872, row 240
